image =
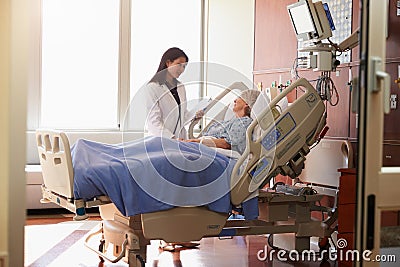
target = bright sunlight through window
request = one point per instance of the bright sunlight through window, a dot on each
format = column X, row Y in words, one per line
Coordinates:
column 158, row 25
column 79, row 84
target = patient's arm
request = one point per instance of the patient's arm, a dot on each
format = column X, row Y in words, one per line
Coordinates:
column 211, row 142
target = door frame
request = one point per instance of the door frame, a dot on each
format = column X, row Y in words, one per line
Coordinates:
column 376, row 186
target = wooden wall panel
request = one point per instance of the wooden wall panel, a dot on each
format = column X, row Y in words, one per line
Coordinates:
column 338, row 116
column 391, row 125
column 390, row 155
column 275, row 45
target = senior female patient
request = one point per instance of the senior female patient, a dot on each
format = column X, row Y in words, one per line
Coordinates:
column 231, row 134
column 166, row 97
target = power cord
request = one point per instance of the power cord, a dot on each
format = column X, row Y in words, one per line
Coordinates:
column 327, row 89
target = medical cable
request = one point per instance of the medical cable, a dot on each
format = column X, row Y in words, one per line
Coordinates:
column 269, row 241
column 337, row 48
column 178, row 120
column 295, row 65
column 327, row 89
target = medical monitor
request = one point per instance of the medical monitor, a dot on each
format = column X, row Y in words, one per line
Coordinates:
column 311, row 21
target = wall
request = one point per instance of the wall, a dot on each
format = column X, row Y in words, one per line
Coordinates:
column 275, row 44
column 230, row 39
column 391, row 147
column 4, row 123
column 13, row 86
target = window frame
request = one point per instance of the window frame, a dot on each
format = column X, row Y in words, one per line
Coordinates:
column 124, row 61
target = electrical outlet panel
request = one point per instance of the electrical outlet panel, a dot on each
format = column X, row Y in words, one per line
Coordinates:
column 393, row 101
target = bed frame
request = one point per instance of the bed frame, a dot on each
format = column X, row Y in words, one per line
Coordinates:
column 302, row 124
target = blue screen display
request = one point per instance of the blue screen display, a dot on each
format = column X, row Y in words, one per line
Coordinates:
column 329, row 16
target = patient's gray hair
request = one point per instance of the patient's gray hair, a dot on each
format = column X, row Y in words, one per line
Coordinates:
column 249, row 96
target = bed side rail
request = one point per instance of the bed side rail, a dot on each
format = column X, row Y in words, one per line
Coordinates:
column 234, row 86
column 284, row 142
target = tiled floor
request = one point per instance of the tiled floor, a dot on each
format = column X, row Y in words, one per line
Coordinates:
column 57, row 240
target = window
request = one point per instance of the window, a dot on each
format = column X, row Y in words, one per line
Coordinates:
column 173, row 23
column 82, row 78
column 90, row 57
column 80, row 64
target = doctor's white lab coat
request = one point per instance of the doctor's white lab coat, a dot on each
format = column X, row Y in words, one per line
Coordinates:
column 163, row 111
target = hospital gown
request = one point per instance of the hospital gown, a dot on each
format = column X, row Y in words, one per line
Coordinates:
column 233, row 131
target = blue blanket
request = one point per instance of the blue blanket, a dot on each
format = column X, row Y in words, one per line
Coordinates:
column 152, row 174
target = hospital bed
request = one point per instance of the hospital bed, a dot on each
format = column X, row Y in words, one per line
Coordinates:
column 277, row 143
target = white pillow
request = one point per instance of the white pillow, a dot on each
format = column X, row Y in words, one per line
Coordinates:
column 261, row 103
column 283, row 104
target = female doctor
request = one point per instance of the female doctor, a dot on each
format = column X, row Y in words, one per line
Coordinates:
column 166, row 97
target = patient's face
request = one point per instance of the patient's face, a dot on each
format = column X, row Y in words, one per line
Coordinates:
column 239, row 105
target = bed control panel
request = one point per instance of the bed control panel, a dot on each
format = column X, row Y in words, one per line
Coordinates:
column 259, row 172
column 282, row 128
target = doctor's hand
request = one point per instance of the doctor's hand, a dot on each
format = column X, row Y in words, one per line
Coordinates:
column 199, row 115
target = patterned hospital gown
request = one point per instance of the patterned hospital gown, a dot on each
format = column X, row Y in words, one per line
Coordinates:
column 233, row 131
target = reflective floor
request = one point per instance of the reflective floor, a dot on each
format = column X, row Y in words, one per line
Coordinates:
column 56, row 240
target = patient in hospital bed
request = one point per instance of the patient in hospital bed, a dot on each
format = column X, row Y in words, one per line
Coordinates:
column 192, row 179
column 231, row 134
column 155, row 173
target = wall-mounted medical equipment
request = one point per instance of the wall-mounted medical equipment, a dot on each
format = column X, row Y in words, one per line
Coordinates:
column 313, row 25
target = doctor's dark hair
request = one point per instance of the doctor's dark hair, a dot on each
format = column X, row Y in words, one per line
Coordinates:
column 171, row 54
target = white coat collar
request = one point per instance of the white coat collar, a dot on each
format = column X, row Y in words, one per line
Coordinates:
column 168, row 92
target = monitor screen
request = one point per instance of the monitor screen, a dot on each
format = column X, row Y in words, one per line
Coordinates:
column 302, row 19
column 311, row 21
